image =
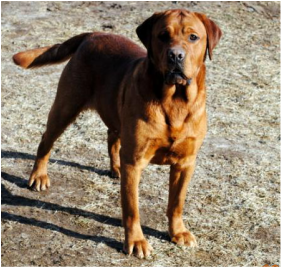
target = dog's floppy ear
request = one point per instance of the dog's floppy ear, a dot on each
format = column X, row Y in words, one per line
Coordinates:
column 144, row 31
column 213, row 32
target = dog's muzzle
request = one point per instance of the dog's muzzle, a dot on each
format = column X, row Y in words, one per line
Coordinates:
column 176, row 77
column 175, row 59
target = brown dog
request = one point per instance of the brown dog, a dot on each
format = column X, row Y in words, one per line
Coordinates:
column 152, row 103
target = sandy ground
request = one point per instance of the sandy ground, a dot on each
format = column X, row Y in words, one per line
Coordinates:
column 233, row 204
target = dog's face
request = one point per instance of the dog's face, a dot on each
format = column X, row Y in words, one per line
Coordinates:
column 177, row 42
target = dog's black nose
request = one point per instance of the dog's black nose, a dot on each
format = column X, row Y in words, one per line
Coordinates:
column 176, row 54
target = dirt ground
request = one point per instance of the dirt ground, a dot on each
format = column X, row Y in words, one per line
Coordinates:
column 233, row 204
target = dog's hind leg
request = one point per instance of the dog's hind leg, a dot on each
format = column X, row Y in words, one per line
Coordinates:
column 68, row 104
column 113, row 149
column 58, row 121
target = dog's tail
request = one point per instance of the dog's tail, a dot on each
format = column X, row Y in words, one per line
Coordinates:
column 49, row 55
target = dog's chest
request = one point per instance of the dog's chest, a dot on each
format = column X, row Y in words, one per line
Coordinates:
column 171, row 135
column 173, row 151
column 176, row 116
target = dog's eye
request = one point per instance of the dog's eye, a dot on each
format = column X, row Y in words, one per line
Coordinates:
column 164, row 36
column 193, row 38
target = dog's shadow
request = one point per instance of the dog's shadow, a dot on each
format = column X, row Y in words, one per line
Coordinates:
column 14, row 200
column 20, row 155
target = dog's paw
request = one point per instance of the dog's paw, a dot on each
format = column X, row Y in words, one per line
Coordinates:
column 185, row 239
column 39, row 182
column 141, row 249
column 115, row 173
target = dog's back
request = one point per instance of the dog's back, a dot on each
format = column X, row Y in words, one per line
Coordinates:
column 94, row 58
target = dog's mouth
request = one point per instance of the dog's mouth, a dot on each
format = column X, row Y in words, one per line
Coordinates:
column 176, row 77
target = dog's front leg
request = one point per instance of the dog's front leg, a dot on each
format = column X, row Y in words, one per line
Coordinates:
column 134, row 238
column 178, row 183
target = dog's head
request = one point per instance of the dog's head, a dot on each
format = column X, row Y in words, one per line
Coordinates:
column 177, row 42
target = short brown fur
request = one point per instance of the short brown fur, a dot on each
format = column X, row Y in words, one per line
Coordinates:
column 149, row 120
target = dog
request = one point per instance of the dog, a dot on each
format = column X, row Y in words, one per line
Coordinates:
column 153, row 103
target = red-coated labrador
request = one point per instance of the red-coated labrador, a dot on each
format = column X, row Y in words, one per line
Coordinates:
column 153, row 103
